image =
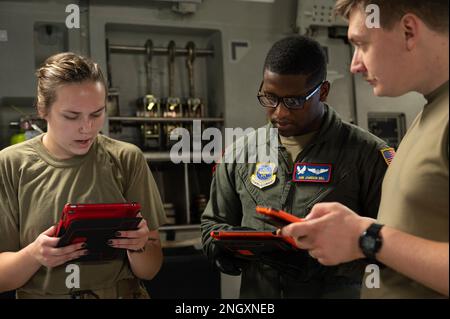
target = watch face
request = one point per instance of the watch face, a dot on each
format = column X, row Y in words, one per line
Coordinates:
column 369, row 242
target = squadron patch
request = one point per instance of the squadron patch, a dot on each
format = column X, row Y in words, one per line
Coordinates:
column 312, row 173
column 388, row 154
column 264, row 175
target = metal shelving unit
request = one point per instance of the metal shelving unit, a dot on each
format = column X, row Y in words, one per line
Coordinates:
column 180, row 193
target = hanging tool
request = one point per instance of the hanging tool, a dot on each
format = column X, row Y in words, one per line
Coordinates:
column 173, row 106
column 194, row 104
column 149, row 105
column 151, row 102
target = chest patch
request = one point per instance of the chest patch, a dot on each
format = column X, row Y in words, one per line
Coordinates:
column 264, row 175
column 311, row 173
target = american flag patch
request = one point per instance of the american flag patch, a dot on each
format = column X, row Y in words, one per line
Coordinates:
column 388, row 154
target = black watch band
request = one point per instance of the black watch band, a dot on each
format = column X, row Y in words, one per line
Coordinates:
column 370, row 241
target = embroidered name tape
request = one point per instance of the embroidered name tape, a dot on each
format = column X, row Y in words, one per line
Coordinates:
column 312, row 173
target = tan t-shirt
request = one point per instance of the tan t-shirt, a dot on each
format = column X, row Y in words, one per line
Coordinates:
column 415, row 191
column 295, row 144
column 35, row 187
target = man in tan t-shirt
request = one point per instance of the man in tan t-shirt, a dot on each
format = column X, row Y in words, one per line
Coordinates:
column 408, row 52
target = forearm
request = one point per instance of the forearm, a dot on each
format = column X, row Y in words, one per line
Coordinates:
column 16, row 268
column 424, row 261
column 145, row 265
column 331, row 232
column 211, row 220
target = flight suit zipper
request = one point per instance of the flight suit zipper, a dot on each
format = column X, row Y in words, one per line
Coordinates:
column 286, row 200
column 290, row 197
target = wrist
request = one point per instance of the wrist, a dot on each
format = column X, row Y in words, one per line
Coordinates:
column 370, row 240
column 28, row 252
column 363, row 224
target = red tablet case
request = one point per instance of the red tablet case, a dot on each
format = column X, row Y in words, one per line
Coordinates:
column 248, row 243
column 252, row 243
column 95, row 224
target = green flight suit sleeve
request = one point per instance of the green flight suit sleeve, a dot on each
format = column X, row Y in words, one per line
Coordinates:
column 224, row 208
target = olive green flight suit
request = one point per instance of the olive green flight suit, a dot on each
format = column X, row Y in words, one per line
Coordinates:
column 357, row 170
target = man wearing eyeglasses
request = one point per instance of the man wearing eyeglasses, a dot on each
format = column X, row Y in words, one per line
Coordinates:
column 320, row 158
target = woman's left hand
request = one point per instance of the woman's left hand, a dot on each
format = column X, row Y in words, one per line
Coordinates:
column 132, row 240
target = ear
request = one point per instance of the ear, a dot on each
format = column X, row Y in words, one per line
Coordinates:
column 324, row 90
column 410, row 28
column 41, row 112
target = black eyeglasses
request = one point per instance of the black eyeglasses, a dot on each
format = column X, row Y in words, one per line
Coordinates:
column 291, row 102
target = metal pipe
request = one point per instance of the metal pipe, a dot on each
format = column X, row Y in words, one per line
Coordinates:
column 116, row 48
column 180, row 227
column 164, row 119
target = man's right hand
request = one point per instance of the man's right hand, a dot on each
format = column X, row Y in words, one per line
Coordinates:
column 44, row 250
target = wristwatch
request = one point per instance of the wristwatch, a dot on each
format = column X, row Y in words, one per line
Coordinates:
column 370, row 241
